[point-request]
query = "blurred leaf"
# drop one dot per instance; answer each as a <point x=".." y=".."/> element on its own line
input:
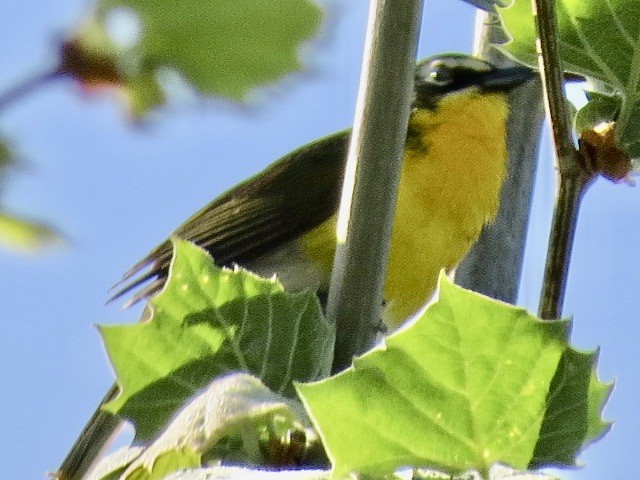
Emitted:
<point x="598" y="39"/>
<point x="224" y="47"/>
<point x="16" y="232"/>
<point x="91" y="58"/>
<point x="98" y="64"/>
<point x="8" y="162"/>
<point x="209" y="321"/>
<point x="6" y="158"/>
<point x="19" y="233"/>
<point x="462" y="388"/>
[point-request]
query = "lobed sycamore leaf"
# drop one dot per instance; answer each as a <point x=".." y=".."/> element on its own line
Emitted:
<point x="598" y="39"/>
<point x="462" y="388"/>
<point x="206" y="322"/>
<point x="224" y="48"/>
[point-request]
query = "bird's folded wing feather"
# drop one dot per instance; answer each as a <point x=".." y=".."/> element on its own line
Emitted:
<point x="293" y="195"/>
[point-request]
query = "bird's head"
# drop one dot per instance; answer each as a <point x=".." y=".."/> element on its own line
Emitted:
<point x="441" y="75"/>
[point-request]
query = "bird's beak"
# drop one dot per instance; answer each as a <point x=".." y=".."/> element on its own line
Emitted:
<point x="504" y="79"/>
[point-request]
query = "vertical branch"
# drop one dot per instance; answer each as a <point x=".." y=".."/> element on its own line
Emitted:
<point x="575" y="176"/>
<point x="565" y="218"/>
<point x="372" y="175"/>
<point x="494" y="265"/>
<point x="553" y="80"/>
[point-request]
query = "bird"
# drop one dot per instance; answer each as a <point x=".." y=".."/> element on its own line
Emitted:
<point x="282" y="221"/>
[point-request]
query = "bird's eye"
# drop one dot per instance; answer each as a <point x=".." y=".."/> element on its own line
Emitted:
<point x="440" y="74"/>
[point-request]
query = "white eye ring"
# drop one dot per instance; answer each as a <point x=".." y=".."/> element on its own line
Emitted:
<point x="440" y="74"/>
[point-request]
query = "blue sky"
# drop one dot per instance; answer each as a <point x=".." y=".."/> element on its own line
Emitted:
<point x="116" y="189"/>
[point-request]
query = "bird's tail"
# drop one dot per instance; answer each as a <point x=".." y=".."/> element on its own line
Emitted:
<point x="92" y="441"/>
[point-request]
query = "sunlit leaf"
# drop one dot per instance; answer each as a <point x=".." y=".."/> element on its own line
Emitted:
<point x="598" y="39"/>
<point x="207" y="322"/>
<point x="462" y="388"/>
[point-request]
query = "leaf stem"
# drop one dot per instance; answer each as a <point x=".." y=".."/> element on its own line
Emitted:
<point x="372" y="175"/>
<point x="27" y="86"/>
<point x="574" y="174"/>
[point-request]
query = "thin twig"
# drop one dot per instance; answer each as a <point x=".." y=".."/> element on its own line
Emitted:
<point x="574" y="175"/>
<point x="373" y="174"/>
<point x="27" y="87"/>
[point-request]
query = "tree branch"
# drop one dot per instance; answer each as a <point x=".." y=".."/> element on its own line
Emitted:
<point x="372" y="176"/>
<point x="27" y="86"/>
<point x="574" y="174"/>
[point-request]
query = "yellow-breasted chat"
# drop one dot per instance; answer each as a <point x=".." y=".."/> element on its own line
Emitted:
<point x="282" y="220"/>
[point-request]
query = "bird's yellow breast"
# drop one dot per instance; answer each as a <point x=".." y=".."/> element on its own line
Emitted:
<point x="454" y="166"/>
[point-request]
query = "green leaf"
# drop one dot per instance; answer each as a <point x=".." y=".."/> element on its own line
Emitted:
<point x="6" y="159"/>
<point x="234" y="403"/>
<point x="599" y="393"/>
<point x="19" y="233"/>
<point x="224" y="47"/>
<point x="463" y="387"/>
<point x="209" y="321"/>
<point x="575" y="403"/>
<point x="599" y="39"/>
<point x="600" y="108"/>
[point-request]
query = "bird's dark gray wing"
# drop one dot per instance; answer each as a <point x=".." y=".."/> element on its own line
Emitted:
<point x="293" y="195"/>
